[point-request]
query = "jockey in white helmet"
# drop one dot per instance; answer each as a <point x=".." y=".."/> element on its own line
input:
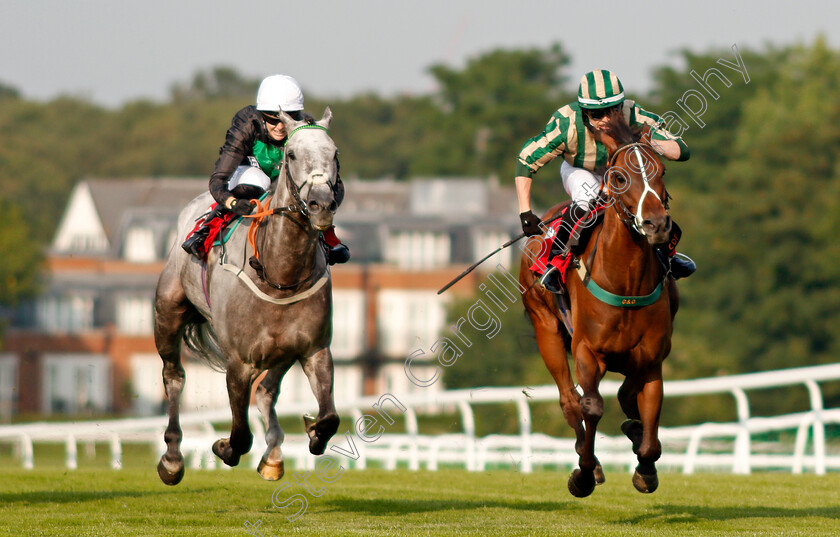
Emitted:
<point x="250" y="160"/>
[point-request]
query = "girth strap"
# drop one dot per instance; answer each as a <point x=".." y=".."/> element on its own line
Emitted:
<point x="282" y="301"/>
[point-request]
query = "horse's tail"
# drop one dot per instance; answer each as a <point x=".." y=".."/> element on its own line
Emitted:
<point x="201" y="340"/>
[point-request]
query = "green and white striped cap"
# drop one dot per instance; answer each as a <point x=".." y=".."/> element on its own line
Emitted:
<point x="600" y="89"/>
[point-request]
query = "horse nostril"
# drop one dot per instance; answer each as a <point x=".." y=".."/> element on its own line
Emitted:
<point x="333" y="206"/>
<point x="314" y="207"/>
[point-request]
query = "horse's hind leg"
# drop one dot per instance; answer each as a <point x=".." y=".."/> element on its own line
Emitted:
<point x="271" y="465"/>
<point x="240" y="376"/>
<point x="172" y="311"/>
<point x="319" y="370"/>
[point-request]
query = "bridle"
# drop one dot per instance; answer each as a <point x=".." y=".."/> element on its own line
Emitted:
<point x="298" y="207"/>
<point x="632" y="221"/>
<point x="647" y="168"/>
<point x="316" y="177"/>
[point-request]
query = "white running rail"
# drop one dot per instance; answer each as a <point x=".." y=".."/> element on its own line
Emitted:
<point x="734" y="448"/>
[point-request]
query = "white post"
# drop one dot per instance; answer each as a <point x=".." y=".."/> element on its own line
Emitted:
<point x="71" y="461"/>
<point x="412" y="430"/>
<point x="819" y="426"/>
<point x="741" y="464"/>
<point x="469" y="430"/>
<point x="27" y="452"/>
<point x="116" y="452"/>
<point x="525" y="432"/>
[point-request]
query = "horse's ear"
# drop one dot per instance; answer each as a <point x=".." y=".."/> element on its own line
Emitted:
<point x="644" y="135"/>
<point x="325" y="119"/>
<point x="288" y="121"/>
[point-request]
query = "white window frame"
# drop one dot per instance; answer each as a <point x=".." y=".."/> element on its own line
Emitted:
<point x="83" y="381"/>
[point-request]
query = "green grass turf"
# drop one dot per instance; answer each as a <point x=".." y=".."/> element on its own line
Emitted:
<point x="94" y="501"/>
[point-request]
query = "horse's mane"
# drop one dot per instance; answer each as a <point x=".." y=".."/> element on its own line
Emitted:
<point x="619" y="130"/>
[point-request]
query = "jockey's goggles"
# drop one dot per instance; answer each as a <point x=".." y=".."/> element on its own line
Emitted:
<point x="272" y="119"/>
<point x="599" y="113"/>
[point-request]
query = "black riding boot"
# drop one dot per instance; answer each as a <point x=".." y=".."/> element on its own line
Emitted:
<point x="338" y="254"/>
<point x="565" y="241"/>
<point x="681" y="265"/>
<point x="194" y="245"/>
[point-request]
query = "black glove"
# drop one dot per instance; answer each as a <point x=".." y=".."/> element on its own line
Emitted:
<point x="530" y="223"/>
<point x="242" y="207"/>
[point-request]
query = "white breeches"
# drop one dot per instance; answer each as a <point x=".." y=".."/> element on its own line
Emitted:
<point x="581" y="185"/>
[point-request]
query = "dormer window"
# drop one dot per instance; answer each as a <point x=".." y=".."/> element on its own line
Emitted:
<point x="139" y="245"/>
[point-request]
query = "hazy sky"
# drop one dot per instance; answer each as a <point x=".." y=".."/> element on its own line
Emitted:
<point x="113" y="51"/>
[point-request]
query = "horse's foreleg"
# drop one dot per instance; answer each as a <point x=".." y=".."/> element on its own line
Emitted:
<point x="649" y="449"/>
<point x="271" y="464"/>
<point x="553" y="351"/>
<point x="589" y="374"/>
<point x="552" y="348"/>
<point x="240" y="376"/>
<point x="319" y="370"/>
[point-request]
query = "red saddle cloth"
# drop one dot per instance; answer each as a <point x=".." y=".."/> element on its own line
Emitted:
<point x="546" y="258"/>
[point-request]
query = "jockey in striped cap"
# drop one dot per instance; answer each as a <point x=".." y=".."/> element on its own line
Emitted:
<point x="569" y="134"/>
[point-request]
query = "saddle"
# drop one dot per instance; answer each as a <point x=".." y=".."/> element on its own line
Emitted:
<point x="215" y="221"/>
<point x="559" y="254"/>
<point x="212" y="222"/>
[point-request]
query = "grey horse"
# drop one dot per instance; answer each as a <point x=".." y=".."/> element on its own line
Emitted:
<point x="265" y="315"/>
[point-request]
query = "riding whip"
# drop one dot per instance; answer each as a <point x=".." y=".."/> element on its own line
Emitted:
<point x="491" y="254"/>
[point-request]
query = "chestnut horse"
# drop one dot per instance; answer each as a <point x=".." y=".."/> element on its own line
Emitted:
<point x="626" y="325"/>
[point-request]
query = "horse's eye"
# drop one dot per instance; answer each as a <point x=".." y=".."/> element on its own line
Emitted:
<point x="291" y="154"/>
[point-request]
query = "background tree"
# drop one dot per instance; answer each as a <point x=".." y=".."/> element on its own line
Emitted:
<point x="220" y="82"/>
<point x="757" y="201"/>
<point x="499" y="100"/>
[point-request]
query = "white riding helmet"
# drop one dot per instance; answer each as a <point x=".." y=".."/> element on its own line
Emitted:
<point x="249" y="175"/>
<point x="279" y="92"/>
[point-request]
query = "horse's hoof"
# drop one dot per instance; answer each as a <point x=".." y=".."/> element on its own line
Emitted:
<point x="581" y="484"/>
<point x="600" y="478"/>
<point x="171" y="477"/>
<point x="320" y="431"/>
<point x="270" y="470"/>
<point x="224" y="451"/>
<point x="645" y="483"/>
